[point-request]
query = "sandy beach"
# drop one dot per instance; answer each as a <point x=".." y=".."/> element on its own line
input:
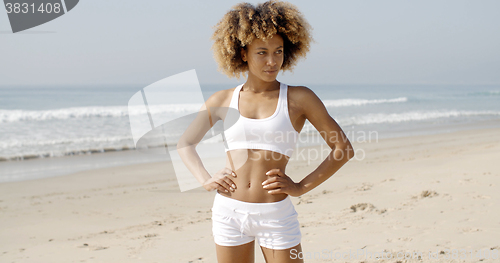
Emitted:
<point x="435" y="197"/>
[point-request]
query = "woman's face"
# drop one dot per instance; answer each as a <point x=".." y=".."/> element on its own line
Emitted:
<point x="264" y="58"/>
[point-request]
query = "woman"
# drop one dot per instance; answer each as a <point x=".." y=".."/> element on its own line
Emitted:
<point x="252" y="199"/>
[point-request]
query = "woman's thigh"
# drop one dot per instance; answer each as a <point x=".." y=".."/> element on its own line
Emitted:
<point x="229" y="254"/>
<point x="282" y="255"/>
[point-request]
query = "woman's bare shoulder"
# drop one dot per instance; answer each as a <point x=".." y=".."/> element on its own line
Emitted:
<point x="308" y="103"/>
<point x="302" y="94"/>
<point x="221" y="98"/>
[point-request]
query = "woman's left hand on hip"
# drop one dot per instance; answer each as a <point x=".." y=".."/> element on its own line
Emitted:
<point x="280" y="183"/>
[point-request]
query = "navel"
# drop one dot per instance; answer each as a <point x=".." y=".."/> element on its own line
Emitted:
<point x="249" y="183"/>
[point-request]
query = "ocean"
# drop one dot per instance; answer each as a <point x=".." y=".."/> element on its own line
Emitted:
<point x="44" y="125"/>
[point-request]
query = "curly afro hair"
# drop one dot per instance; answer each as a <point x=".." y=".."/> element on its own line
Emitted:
<point x="245" y="22"/>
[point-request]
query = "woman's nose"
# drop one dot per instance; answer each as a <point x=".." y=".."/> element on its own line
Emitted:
<point x="271" y="61"/>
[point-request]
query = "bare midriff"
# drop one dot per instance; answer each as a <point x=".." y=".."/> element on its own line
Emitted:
<point x="251" y="167"/>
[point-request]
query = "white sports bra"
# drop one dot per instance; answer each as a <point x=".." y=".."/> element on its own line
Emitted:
<point x="274" y="133"/>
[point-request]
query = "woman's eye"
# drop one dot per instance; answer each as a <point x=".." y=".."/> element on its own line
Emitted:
<point x="279" y="51"/>
<point x="261" y="53"/>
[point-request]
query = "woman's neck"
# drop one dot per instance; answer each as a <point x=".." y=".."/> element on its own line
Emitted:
<point x="257" y="85"/>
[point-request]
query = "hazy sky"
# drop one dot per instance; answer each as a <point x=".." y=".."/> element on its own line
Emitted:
<point x="357" y="42"/>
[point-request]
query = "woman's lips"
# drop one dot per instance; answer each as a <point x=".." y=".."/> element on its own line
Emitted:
<point x="271" y="71"/>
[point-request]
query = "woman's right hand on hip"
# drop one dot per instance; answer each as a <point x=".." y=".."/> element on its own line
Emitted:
<point x="221" y="181"/>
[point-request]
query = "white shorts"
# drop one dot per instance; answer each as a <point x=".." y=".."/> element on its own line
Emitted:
<point x="274" y="225"/>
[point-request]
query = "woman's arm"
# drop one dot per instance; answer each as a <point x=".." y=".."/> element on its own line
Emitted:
<point x="314" y="110"/>
<point x="186" y="147"/>
<point x="342" y="150"/>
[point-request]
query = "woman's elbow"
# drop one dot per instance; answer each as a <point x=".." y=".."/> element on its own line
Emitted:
<point x="179" y="147"/>
<point x="349" y="150"/>
<point x="344" y="151"/>
<point x="182" y="144"/>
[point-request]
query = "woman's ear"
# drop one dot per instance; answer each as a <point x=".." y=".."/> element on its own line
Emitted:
<point x="243" y="55"/>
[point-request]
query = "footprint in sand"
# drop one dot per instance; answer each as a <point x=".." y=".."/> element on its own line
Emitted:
<point x="388" y="180"/>
<point x="150" y="235"/>
<point x="362" y="207"/>
<point x="303" y="201"/>
<point x="425" y="194"/>
<point x="98" y="248"/>
<point x="364" y="187"/>
<point x="469" y="230"/>
<point x="366" y="207"/>
<point x="92" y="248"/>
